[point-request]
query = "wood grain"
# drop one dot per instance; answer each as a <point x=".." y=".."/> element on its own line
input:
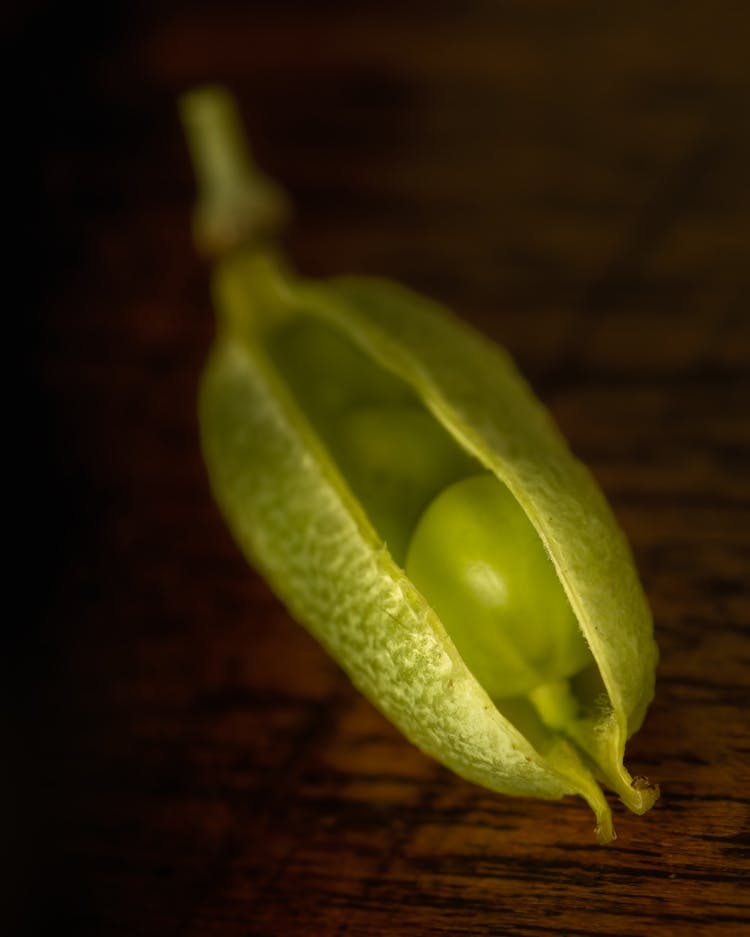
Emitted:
<point x="574" y="180"/>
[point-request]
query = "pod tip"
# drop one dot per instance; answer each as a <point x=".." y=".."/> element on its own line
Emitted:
<point x="605" y="831"/>
<point x="644" y="796"/>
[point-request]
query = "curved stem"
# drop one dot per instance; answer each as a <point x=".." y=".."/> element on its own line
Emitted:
<point x="236" y="203"/>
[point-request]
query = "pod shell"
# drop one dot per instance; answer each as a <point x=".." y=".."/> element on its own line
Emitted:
<point x="299" y="524"/>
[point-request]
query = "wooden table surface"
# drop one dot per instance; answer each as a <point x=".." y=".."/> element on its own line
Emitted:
<point x="571" y="178"/>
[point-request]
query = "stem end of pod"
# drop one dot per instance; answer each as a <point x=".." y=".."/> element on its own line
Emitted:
<point x="237" y="204"/>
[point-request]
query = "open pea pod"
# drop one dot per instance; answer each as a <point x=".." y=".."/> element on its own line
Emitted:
<point x="397" y="483"/>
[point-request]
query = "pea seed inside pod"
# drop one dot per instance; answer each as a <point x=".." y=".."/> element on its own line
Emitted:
<point x="392" y="452"/>
<point x="481" y="565"/>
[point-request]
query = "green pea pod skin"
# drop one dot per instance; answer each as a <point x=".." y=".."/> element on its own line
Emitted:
<point x="299" y="523"/>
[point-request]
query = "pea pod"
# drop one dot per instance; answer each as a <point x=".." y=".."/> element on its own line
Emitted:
<point x="393" y="477"/>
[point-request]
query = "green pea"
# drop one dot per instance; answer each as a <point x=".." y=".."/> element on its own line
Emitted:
<point x="406" y="496"/>
<point x="396" y="458"/>
<point x="477" y="559"/>
<point x="392" y="452"/>
<point x="328" y="373"/>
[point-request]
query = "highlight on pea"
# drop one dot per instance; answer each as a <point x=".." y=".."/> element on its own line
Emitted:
<point x="393" y="477"/>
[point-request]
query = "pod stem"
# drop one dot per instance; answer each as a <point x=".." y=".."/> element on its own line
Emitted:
<point x="555" y="703"/>
<point x="237" y="205"/>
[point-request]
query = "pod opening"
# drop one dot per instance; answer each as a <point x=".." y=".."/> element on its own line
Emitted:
<point x="458" y="532"/>
<point x="394" y="455"/>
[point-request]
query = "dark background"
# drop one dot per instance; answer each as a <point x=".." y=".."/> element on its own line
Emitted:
<point x="573" y="179"/>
